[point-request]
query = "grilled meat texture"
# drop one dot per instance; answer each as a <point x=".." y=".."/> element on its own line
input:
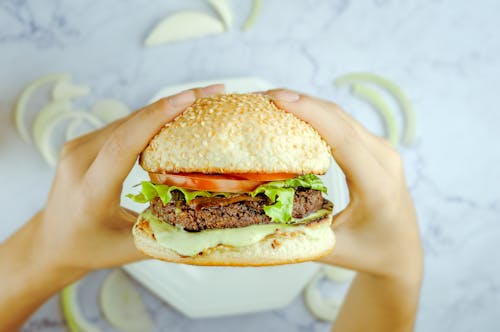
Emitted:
<point x="238" y="210"/>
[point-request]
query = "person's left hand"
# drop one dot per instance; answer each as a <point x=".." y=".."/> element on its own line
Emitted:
<point x="83" y="226"/>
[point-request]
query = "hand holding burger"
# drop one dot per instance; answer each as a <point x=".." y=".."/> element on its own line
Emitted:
<point x="83" y="228"/>
<point x="377" y="234"/>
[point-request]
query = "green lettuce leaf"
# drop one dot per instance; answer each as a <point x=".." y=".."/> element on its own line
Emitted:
<point x="150" y="191"/>
<point x="281" y="210"/>
<point x="308" y="181"/>
<point x="280" y="194"/>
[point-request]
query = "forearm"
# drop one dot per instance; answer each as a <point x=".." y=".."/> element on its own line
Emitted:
<point x="28" y="276"/>
<point x="380" y="304"/>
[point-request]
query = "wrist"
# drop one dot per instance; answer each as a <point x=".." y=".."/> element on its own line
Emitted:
<point x="399" y="296"/>
<point x="29" y="275"/>
<point x="405" y="265"/>
<point x="45" y="257"/>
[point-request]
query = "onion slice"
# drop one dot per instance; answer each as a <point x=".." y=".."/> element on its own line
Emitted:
<point x="66" y="90"/>
<point x="46" y="149"/>
<point x="254" y="13"/>
<point x="25" y="96"/>
<point x="373" y="97"/>
<point x="48" y="118"/>
<point x="401" y="98"/>
<point x="184" y="25"/>
<point x="43" y="120"/>
<point x="338" y="274"/>
<point x="75" y="320"/>
<point x="71" y="130"/>
<point x="122" y="305"/>
<point x="109" y="110"/>
<point x="321" y="308"/>
<point x="222" y="8"/>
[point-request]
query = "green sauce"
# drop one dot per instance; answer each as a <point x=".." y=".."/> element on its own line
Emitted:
<point x="191" y="243"/>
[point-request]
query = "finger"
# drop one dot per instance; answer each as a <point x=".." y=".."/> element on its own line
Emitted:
<point x="100" y="134"/>
<point x="87" y="146"/>
<point x="130" y="216"/>
<point x="378" y="146"/>
<point x="348" y="146"/>
<point x="92" y="142"/>
<point x="123" y="248"/>
<point x="362" y="131"/>
<point x="209" y="90"/>
<point x="122" y="228"/>
<point x="119" y="153"/>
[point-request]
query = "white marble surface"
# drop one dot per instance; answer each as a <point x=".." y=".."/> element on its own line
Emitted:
<point x="444" y="54"/>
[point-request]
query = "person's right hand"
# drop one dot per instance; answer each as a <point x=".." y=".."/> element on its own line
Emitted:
<point x="377" y="233"/>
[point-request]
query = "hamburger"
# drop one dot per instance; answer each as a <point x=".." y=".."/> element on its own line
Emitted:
<point x="234" y="181"/>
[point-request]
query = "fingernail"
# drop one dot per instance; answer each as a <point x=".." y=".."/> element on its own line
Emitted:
<point x="214" y="88"/>
<point x="183" y="98"/>
<point x="284" y="95"/>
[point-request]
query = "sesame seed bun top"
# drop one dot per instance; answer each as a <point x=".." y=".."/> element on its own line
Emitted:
<point x="236" y="133"/>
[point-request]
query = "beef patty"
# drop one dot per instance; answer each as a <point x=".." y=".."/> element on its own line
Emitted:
<point x="230" y="212"/>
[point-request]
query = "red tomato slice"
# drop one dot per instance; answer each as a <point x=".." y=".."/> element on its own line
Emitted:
<point x="208" y="182"/>
<point x="265" y="176"/>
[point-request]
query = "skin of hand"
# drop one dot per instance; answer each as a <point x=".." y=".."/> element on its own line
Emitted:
<point x="82" y="226"/>
<point x="377" y="234"/>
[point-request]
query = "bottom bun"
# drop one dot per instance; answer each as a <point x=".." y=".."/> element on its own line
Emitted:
<point x="289" y="247"/>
